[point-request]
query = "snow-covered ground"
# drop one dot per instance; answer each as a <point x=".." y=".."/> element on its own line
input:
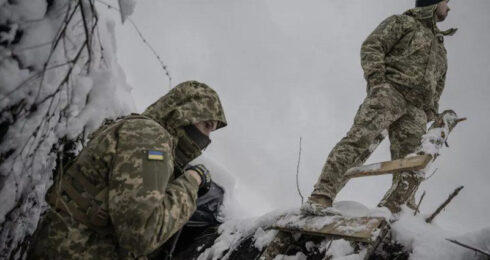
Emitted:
<point x="422" y="240"/>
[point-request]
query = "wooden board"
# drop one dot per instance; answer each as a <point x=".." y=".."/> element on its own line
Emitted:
<point x="361" y="229"/>
<point x="414" y="163"/>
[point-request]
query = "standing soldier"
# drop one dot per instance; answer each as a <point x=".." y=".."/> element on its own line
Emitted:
<point x="128" y="192"/>
<point x="405" y="64"/>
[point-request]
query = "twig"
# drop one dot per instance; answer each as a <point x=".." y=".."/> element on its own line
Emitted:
<point x="432" y="174"/>
<point x="88" y="36"/>
<point x="443" y="205"/>
<point x="297" y="172"/>
<point x="469" y="247"/>
<point x="420" y="202"/>
<point x="327" y="257"/>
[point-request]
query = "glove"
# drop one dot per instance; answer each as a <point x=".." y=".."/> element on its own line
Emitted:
<point x="205" y="177"/>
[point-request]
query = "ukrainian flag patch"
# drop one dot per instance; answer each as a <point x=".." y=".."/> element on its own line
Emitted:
<point x="155" y="155"/>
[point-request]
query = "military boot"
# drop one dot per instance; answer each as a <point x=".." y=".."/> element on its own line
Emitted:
<point x="318" y="205"/>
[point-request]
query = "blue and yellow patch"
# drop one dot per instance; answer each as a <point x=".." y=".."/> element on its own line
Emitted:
<point x="155" y="155"/>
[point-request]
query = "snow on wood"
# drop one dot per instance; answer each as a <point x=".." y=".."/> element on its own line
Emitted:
<point x="413" y="163"/>
<point x="349" y="228"/>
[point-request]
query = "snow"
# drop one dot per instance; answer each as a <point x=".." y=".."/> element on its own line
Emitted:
<point x="40" y="110"/>
<point x="338" y="249"/>
<point x="479" y="239"/>
<point x="298" y="256"/>
<point x="43" y="31"/>
<point x="294" y="220"/>
<point x="28" y="9"/>
<point x="126" y="8"/>
<point x="369" y="167"/>
<point x="428" y="241"/>
<point x="423" y="240"/>
<point x="263" y="238"/>
<point x="235" y="231"/>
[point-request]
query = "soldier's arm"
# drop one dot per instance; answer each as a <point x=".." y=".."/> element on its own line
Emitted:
<point x="439" y="88"/>
<point x="146" y="209"/>
<point x="378" y="44"/>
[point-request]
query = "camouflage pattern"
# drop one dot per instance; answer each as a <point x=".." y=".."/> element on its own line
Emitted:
<point x="408" y="50"/>
<point x="405" y="64"/>
<point x="383" y="108"/>
<point x="147" y="202"/>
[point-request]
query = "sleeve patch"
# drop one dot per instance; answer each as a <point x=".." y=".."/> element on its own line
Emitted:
<point x="155" y="155"/>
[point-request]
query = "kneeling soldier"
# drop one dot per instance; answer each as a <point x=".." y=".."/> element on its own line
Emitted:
<point x="128" y="191"/>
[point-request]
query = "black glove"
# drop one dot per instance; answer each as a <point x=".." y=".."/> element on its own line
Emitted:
<point x="205" y="177"/>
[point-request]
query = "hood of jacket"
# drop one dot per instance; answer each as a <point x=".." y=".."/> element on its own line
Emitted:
<point x="427" y="15"/>
<point x="186" y="104"/>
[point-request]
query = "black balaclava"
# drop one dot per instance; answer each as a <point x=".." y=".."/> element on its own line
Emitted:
<point x="422" y="3"/>
<point x="190" y="145"/>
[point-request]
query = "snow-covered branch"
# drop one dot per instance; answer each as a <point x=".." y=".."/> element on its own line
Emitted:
<point x="59" y="80"/>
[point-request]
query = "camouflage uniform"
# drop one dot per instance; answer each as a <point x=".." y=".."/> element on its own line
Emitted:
<point x="405" y="65"/>
<point x="115" y="200"/>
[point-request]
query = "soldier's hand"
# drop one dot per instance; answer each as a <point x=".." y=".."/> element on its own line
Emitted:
<point x="204" y="174"/>
<point x="195" y="175"/>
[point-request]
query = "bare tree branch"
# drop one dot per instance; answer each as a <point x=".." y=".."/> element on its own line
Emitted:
<point x="418" y="205"/>
<point x="469" y="247"/>
<point x="443" y="205"/>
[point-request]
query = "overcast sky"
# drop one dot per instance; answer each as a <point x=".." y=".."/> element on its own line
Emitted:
<point x="289" y="69"/>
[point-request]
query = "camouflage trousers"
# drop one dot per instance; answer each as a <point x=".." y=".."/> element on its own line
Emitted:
<point x="383" y="108"/>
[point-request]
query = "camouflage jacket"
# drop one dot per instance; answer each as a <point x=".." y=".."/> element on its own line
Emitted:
<point x="408" y="50"/>
<point x="127" y="168"/>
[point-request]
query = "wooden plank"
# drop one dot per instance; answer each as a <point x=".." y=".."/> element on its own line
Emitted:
<point x="414" y="163"/>
<point x="359" y="229"/>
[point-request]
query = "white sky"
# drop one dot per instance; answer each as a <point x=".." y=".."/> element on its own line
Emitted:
<point x="286" y="69"/>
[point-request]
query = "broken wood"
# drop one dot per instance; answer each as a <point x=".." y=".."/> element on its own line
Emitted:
<point x="469" y="247"/>
<point x="358" y="229"/>
<point x="443" y="205"/>
<point x="414" y="163"/>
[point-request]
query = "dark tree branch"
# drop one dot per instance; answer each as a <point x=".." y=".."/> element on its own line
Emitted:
<point x="443" y="205"/>
<point x="418" y="205"/>
<point x="469" y="247"/>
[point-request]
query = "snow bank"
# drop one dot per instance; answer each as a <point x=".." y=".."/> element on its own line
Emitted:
<point x="232" y="208"/>
<point x="56" y="83"/>
<point x="233" y="232"/>
<point x="428" y="241"/>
